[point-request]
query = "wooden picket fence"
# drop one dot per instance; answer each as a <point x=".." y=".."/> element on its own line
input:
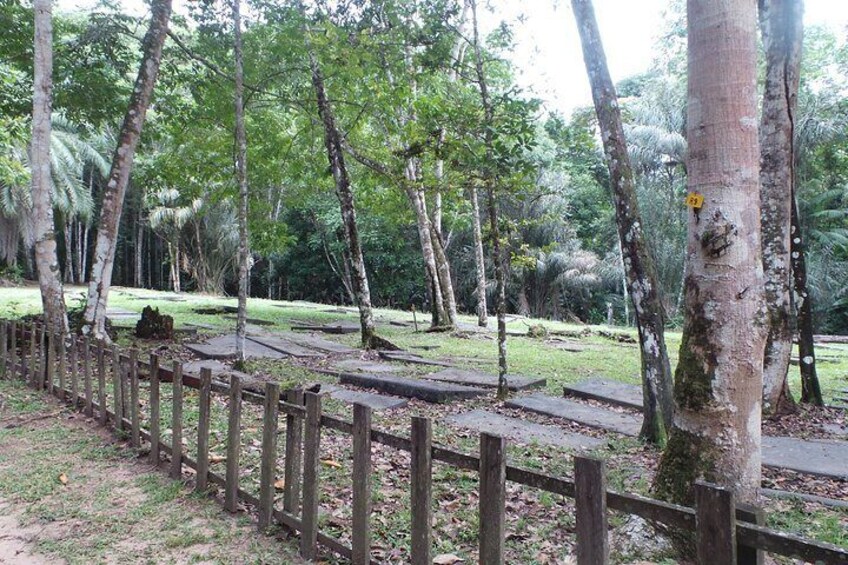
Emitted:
<point x="75" y="370"/>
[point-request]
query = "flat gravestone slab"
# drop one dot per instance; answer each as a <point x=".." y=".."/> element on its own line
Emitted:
<point x="315" y="342"/>
<point x="411" y="388"/>
<point x="256" y="321"/>
<point x="370" y="399"/>
<point x="592" y="416"/>
<point x="224" y="347"/>
<point x="284" y="346"/>
<point x="611" y="392"/>
<point x="476" y="378"/>
<point x="121" y="314"/>
<point x="331" y="328"/>
<point x="406" y="357"/>
<point x="522" y="431"/>
<point x="194" y="367"/>
<point x="823" y="457"/>
<point x="365" y="366"/>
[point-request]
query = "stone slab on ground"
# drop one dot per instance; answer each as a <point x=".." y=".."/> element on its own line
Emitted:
<point x="586" y="414"/>
<point x="604" y="390"/>
<point x="428" y="391"/>
<point x="406" y="357"/>
<point x="194" y="367"/>
<point x="256" y="321"/>
<point x="823" y="457"/>
<point x="477" y="378"/>
<point x="121" y="314"/>
<point x="364" y="366"/>
<point x="330" y="328"/>
<point x="224" y="347"/>
<point x="315" y="342"/>
<point x="523" y="431"/>
<point x="285" y="346"/>
<point x="372" y="400"/>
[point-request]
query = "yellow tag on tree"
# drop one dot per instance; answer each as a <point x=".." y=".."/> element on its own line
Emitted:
<point x="694" y="200"/>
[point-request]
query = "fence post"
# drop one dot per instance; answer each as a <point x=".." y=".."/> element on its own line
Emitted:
<point x="590" y="497"/>
<point x="4" y="334"/>
<point x="177" y="423"/>
<point x="14" y="348"/>
<point x="311" y="452"/>
<point x="715" y="522"/>
<point x="74" y="373"/>
<point x="422" y="489"/>
<point x="101" y="381"/>
<point x="41" y="381"/>
<point x="492" y="498"/>
<point x="294" y="452"/>
<point x="361" y="540"/>
<point x="49" y="372"/>
<point x="33" y="340"/>
<point x="269" y="455"/>
<point x="86" y="368"/>
<point x="753" y="514"/>
<point x="117" y="389"/>
<point x="205" y="398"/>
<point x="63" y="365"/>
<point x="135" y="424"/>
<point x="233" y="446"/>
<point x="154" y="409"/>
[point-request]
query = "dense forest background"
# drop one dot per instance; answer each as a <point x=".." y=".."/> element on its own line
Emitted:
<point x="403" y="88"/>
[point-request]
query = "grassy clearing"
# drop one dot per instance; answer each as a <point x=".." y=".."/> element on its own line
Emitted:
<point x="540" y="526"/>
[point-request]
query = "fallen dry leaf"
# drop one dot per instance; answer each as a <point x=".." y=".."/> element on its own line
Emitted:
<point x="280" y="484"/>
<point x="63" y="478"/>
<point x="331" y="463"/>
<point x="447" y="559"/>
<point x="217" y="458"/>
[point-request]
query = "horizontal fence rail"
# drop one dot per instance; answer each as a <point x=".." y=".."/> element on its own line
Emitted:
<point x="723" y="531"/>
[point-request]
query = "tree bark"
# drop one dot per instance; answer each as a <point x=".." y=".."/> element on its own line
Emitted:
<point x="810" y="387"/>
<point x="782" y="31"/>
<point x="490" y="181"/>
<point x="139" y="248"/>
<point x="241" y="175"/>
<point x="344" y="192"/>
<point x="119" y="174"/>
<point x="638" y="264"/>
<point x="44" y="234"/>
<point x="479" y="260"/>
<point x="718" y="384"/>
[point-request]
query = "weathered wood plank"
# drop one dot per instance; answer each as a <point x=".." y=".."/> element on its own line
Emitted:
<point x="101" y="382"/>
<point x="4" y="343"/>
<point x="14" y="348"/>
<point x="75" y="396"/>
<point x="63" y="366"/>
<point x="176" y="470"/>
<point x="203" y="421"/>
<point x="33" y="360"/>
<point x="86" y="368"/>
<point x="715" y="520"/>
<point x="361" y="538"/>
<point x="745" y="554"/>
<point x="421" y="475"/>
<point x="492" y="498"/>
<point x="117" y="388"/>
<point x="294" y="454"/>
<point x="155" y="446"/>
<point x="47" y="368"/>
<point x="269" y="454"/>
<point x="135" y="419"/>
<point x="311" y="451"/>
<point x="233" y="445"/>
<point x="590" y="489"/>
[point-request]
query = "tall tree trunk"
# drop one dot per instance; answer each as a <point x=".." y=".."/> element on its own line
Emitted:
<point x="444" y="273"/>
<point x="241" y="175"/>
<point x="344" y="192"/>
<point x="638" y="264"/>
<point x="718" y="383"/>
<point x="69" y="262"/>
<point x="490" y="180"/>
<point x="810" y="387"/>
<point x="782" y="31"/>
<point x="116" y="187"/>
<point x="419" y="208"/>
<point x="44" y="234"/>
<point x="479" y="260"/>
<point x="139" y="249"/>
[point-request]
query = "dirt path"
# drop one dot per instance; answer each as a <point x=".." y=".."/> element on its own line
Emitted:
<point x="70" y="493"/>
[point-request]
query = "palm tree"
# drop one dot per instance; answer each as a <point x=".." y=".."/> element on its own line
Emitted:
<point x="168" y="217"/>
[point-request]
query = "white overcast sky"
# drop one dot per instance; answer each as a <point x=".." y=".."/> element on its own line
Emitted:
<point x="547" y="55"/>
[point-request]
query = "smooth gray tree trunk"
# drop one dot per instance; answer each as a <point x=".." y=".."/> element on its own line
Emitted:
<point x="241" y="175"/>
<point x="638" y="263"/>
<point x="43" y="230"/>
<point x="119" y="174"/>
